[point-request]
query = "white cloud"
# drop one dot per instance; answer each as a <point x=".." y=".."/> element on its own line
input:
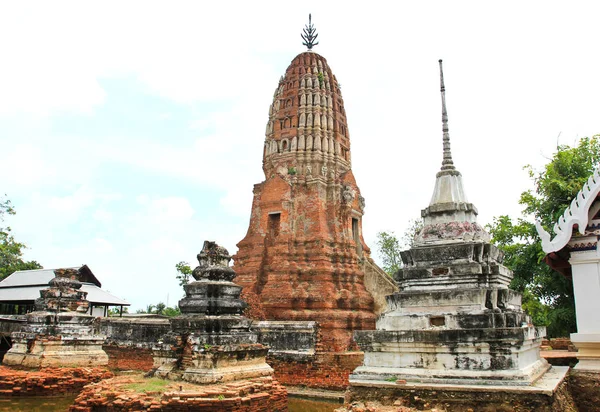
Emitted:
<point x="27" y="165"/>
<point x="170" y="209"/>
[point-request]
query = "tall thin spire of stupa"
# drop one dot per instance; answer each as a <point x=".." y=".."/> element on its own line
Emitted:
<point x="448" y="189"/>
<point x="449" y="205"/>
<point x="447" y="163"/>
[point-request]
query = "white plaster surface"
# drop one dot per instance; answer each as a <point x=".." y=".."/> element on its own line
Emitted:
<point x="586" y="286"/>
<point x="546" y="385"/>
<point x="448" y="189"/>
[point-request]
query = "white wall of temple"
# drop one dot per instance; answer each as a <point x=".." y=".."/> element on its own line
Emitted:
<point x="585" y="267"/>
<point x="586" y="285"/>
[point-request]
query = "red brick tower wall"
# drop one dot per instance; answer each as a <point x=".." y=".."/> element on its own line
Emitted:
<point x="301" y="253"/>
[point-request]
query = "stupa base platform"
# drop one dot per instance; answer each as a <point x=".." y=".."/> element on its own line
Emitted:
<point x="503" y="356"/>
<point x="57" y="352"/>
<point x="519" y="377"/>
<point x="549" y="393"/>
<point x="215" y="364"/>
<point x="209" y="376"/>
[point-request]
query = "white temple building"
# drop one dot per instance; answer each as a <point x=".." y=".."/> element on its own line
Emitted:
<point x="573" y="251"/>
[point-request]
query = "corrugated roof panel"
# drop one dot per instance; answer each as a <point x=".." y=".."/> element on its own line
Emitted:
<point x="95" y="294"/>
<point x="28" y="278"/>
<point x="20" y="293"/>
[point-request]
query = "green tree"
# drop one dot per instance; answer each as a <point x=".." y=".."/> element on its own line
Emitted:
<point x="172" y="311"/>
<point x="388" y="246"/>
<point x="160" y="308"/>
<point x="11" y="251"/>
<point x="184" y="271"/>
<point x="547" y="295"/>
<point x="115" y="311"/>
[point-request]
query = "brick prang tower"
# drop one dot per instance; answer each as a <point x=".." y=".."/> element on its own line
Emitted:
<point x="303" y="254"/>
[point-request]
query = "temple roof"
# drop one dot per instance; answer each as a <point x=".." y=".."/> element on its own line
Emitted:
<point x="25" y="285"/>
<point x="575" y="217"/>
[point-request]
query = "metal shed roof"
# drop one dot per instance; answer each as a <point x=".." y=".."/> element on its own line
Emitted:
<point x="30" y="293"/>
<point x="25" y="285"/>
<point x="43" y="276"/>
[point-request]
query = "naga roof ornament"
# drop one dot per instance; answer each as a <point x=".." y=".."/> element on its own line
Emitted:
<point x="309" y="34"/>
<point x="576" y="214"/>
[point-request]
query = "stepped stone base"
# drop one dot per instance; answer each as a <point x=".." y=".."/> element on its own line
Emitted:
<point x="215" y="364"/>
<point x="44" y="352"/>
<point x="502" y="356"/>
<point x="548" y="394"/>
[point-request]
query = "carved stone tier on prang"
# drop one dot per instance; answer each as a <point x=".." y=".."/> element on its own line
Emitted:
<point x="211" y="341"/>
<point x="307" y="132"/>
<point x="304" y="255"/>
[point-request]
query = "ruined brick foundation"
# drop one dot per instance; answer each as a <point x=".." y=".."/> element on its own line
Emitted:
<point x="256" y="395"/>
<point x="328" y="370"/>
<point x="126" y="358"/>
<point x="48" y="381"/>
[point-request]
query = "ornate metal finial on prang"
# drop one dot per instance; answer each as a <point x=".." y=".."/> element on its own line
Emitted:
<point x="447" y="163"/>
<point x="309" y="35"/>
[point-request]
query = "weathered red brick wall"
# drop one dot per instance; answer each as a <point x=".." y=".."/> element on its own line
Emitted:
<point x="128" y="358"/>
<point x="324" y="371"/>
<point x="255" y="395"/>
<point x="48" y="381"/>
<point x="302" y="252"/>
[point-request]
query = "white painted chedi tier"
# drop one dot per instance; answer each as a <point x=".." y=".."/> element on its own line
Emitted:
<point x="454" y="321"/>
<point x="449" y="216"/>
<point x="574" y="250"/>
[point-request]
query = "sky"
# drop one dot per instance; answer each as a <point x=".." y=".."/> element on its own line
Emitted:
<point x="130" y="132"/>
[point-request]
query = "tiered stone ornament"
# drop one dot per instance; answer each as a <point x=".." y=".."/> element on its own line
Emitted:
<point x="304" y="254"/>
<point x="455" y="321"/>
<point x="59" y="332"/>
<point x="211" y="342"/>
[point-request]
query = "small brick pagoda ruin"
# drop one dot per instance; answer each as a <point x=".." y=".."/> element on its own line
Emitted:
<point x="304" y="255"/>
<point x="455" y="320"/>
<point x="58" y="332"/>
<point x="211" y="341"/>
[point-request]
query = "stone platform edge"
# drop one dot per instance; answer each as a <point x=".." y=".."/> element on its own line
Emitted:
<point x="546" y="385"/>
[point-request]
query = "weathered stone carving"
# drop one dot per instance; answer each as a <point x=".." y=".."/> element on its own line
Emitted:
<point x="59" y="332"/>
<point x="301" y="254"/>
<point x="454" y="320"/>
<point x="211" y="341"/>
<point x="348" y="194"/>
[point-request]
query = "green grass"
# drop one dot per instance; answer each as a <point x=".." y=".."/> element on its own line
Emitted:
<point x="149" y="385"/>
<point x="391" y="379"/>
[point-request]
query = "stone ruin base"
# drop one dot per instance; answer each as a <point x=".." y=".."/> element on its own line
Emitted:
<point x="253" y="395"/>
<point x="48" y="381"/>
<point x="213" y="364"/>
<point x="549" y="394"/>
<point x="55" y="351"/>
